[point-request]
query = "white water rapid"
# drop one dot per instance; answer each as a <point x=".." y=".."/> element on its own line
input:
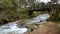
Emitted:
<point x="11" y="28"/>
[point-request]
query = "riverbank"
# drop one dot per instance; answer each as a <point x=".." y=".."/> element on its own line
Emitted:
<point x="47" y="28"/>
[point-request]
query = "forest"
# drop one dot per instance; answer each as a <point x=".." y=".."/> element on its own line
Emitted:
<point x="26" y="10"/>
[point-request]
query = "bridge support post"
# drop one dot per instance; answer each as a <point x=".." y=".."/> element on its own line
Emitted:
<point x="30" y="13"/>
<point x="54" y="13"/>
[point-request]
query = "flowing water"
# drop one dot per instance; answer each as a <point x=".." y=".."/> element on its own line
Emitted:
<point x="41" y="18"/>
<point x="12" y="28"/>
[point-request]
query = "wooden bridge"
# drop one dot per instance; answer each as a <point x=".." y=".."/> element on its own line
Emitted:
<point x="44" y="9"/>
<point x="48" y="9"/>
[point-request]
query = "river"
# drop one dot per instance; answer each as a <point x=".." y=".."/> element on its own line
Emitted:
<point x="12" y="28"/>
